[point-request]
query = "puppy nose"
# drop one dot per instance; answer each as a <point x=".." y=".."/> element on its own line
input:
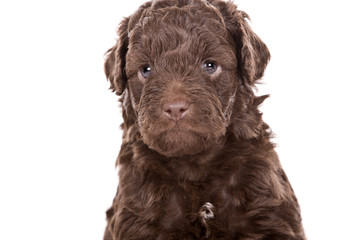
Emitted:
<point x="176" y="110"/>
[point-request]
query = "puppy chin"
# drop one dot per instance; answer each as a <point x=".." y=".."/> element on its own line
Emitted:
<point x="178" y="143"/>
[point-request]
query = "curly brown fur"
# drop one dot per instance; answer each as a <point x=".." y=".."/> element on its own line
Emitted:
<point x="213" y="173"/>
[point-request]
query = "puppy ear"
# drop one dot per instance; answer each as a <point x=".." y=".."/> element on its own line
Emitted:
<point x="252" y="58"/>
<point x="115" y="57"/>
<point x="252" y="53"/>
<point x="115" y="60"/>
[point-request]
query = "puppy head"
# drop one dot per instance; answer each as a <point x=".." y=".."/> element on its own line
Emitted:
<point x="187" y="69"/>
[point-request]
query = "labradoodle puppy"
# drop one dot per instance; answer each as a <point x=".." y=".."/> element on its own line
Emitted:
<point x="196" y="160"/>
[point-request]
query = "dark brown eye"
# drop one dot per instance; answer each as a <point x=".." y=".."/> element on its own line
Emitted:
<point x="145" y="71"/>
<point x="209" y="67"/>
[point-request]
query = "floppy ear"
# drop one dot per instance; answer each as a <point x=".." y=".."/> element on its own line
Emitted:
<point x="252" y="53"/>
<point x="115" y="57"/>
<point x="252" y="58"/>
<point x="115" y="60"/>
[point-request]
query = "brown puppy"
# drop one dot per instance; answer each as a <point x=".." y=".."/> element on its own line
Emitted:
<point x="196" y="158"/>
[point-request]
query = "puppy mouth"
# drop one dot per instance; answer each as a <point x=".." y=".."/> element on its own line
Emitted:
<point x="179" y="141"/>
<point x="186" y="136"/>
<point x="177" y="126"/>
<point x="181" y="128"/>
<point x="177" y="131"/>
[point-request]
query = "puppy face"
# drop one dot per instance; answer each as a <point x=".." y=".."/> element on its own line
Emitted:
<point x="183" y="66"/>
<point x="182" y="80"/>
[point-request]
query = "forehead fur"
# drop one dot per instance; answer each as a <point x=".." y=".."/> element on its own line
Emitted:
<point x="152" y="9"/>
<point x="179" y="19"/>
<point x="194" y="31"/>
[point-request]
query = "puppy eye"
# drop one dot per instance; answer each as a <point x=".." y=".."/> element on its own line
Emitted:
<point x="209" y="67"/>
<point x="145" y="71"/>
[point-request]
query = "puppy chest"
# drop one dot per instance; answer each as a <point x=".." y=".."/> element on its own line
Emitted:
<point x="195" y="206"/>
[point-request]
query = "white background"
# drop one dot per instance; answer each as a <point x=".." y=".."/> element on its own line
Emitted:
<point x="59" y="123"/>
